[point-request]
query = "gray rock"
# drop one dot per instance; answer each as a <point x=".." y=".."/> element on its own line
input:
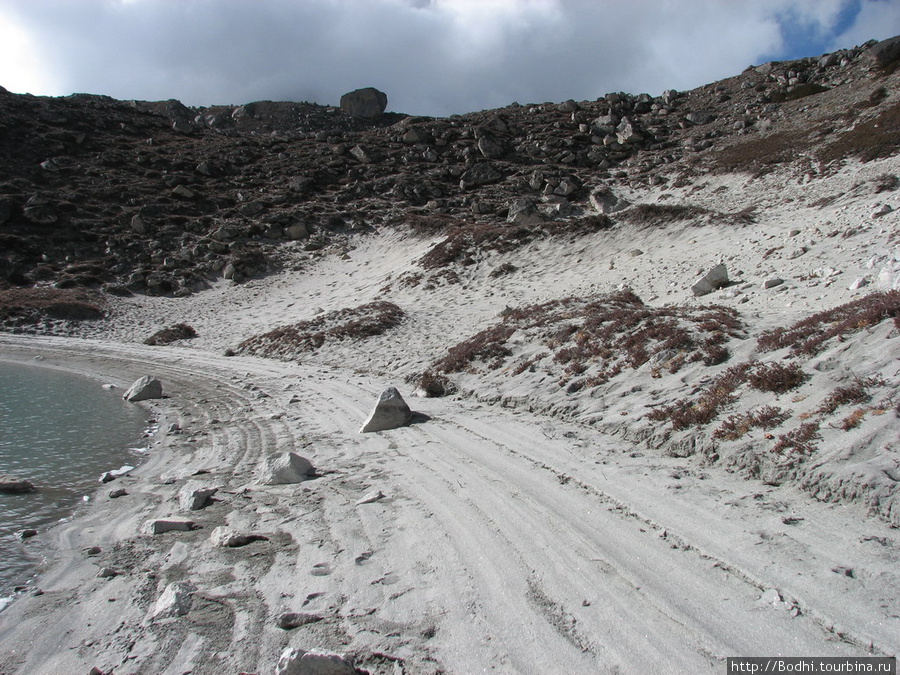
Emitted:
<point x="604" y="202"/>
<point x="773" y="282"/>
<point x="175" y="600"/>
<point x="365" y="155"/>
<point x="12" y="485"/>
<point x="109" y="476"/>
<point x="886" y="52"/>
<point x="291" y="620"/>
<point x="480" y="174"/>
<point x="226" y="537"/>
<point x="143" y="389"/>
<point x="370" y="497"/>
<point x="286" y="468"/>
<point x="162" y="526"/>
<point x="296" y="661"/>
<point x="523" y="211"/>
<point x="296" y="232"/>
<point x="626" y="133"/>
<point x="700" y="117"/>
<point x="194" y="496"/>
<point x="712" y="280"/>
<point x="368" y="102"/>
<point x="490" y="148"/>
<point x="390" y="412"/>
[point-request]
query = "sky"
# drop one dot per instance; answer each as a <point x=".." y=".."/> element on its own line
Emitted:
<point x="431" y="57"/>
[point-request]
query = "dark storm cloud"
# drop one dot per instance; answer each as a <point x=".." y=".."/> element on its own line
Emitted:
<point x="431" y="56"/>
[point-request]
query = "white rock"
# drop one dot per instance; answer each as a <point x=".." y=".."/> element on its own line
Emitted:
<point x="286" y="468"/>
<point x="390" y="412"/>
<point x="144" y="388"/>
<point x="161" y="526"/>
<point x="194" y="495"/>
<point x="295" y="661"/>
<point x="175" y="600"/>
<point x="370" y="497"/>
<point x="712" y="280"/>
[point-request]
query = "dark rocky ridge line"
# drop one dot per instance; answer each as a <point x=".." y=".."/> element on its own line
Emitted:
<point x="163" y="199"/>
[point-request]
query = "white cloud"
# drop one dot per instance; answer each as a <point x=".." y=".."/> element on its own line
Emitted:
<point x="430" y="56"/>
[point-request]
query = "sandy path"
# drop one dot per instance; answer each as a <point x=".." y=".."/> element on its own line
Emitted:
<point x="506" y="542"/>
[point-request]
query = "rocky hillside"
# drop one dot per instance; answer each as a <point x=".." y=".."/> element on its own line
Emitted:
<point x="162" y="199"/>
<point x="540" y="256"/>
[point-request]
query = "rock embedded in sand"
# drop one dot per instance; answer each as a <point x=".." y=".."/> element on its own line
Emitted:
<point x="162" y="526"/>
<point x="286" y="468"/>
<point x="716" y="278"/>
<point x="175" y="600"/>
<point x="295" y="661"/>
<point x="13" y="485"/>
<point x="143" y="389"/>
<point x="390" y="412"/>
<point x="291" y="620"/>
<point x="226" y="537"/>
<point x="195" y="495"/>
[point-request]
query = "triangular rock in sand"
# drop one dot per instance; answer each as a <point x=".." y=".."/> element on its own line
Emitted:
<point x="390" y="412"/>
<point x="143" y="389"/>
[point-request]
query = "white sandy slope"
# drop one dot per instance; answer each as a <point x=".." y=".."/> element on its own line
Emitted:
<point x="509" y="541"/>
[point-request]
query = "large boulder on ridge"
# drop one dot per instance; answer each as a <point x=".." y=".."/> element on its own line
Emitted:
<point x="368" y="102"/>
<point x="143" y="389"/>
<point x="390" y="412"/>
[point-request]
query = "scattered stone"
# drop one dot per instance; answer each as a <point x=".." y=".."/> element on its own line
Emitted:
<point x="28" y="533"/>
<point x="882" y="211"/>
<point x="143" y="389"/>
<point x="716" y="278"/>
<point x="108" y="573"/>
<point x="773" y="282"/>
<point x="291" y="620"/>
<point x="367" y="102"/>
<point x="605" y="202"/>
<point x="480" y="174"/>
<point x="700" y="117"/>
<point x="175" y="600"/>
<point x="490" y="148"/>
<point x="523" y="211"/>
<point x="110" y="476"/>
<point x="846" y="571"/>
<point x="370" y="497"/>
<point x="12" y="485"/>
<point x="296" y="661"/>
<point x="884" y="53"/>
<point x="285" y="469"/>
<point x="226" y="537"/>
<point x="194" y="496"/>
<point x="162" y="526"/>
<point x="390" y="412"/>
<point x="93" y="550"/>
<point x="859" y="282"/>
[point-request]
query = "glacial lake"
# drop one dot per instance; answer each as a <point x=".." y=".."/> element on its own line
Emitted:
<point x="62" y="432"/>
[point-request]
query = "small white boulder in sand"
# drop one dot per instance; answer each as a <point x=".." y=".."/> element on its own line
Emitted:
<point x="175" y="600"/>
<point x="194" y="495"/>
<point x="295" y="661"/>
<point x="390" y="412"/>
<point x="286" y="468"/>
<point x="716" y="278"/>
<point x="143" y="389"/>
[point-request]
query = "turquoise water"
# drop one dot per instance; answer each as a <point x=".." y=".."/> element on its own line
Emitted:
<point x="61" y="432"/>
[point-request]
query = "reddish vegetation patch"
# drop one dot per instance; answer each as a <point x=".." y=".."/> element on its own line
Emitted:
<point x="598" y="338"/>
<point x="24" y="306"/>
<point x="810" y="335"/>
<point x="463" y="242"/>
<point x="360" y="322"/>
<point x="180" y="331"/>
